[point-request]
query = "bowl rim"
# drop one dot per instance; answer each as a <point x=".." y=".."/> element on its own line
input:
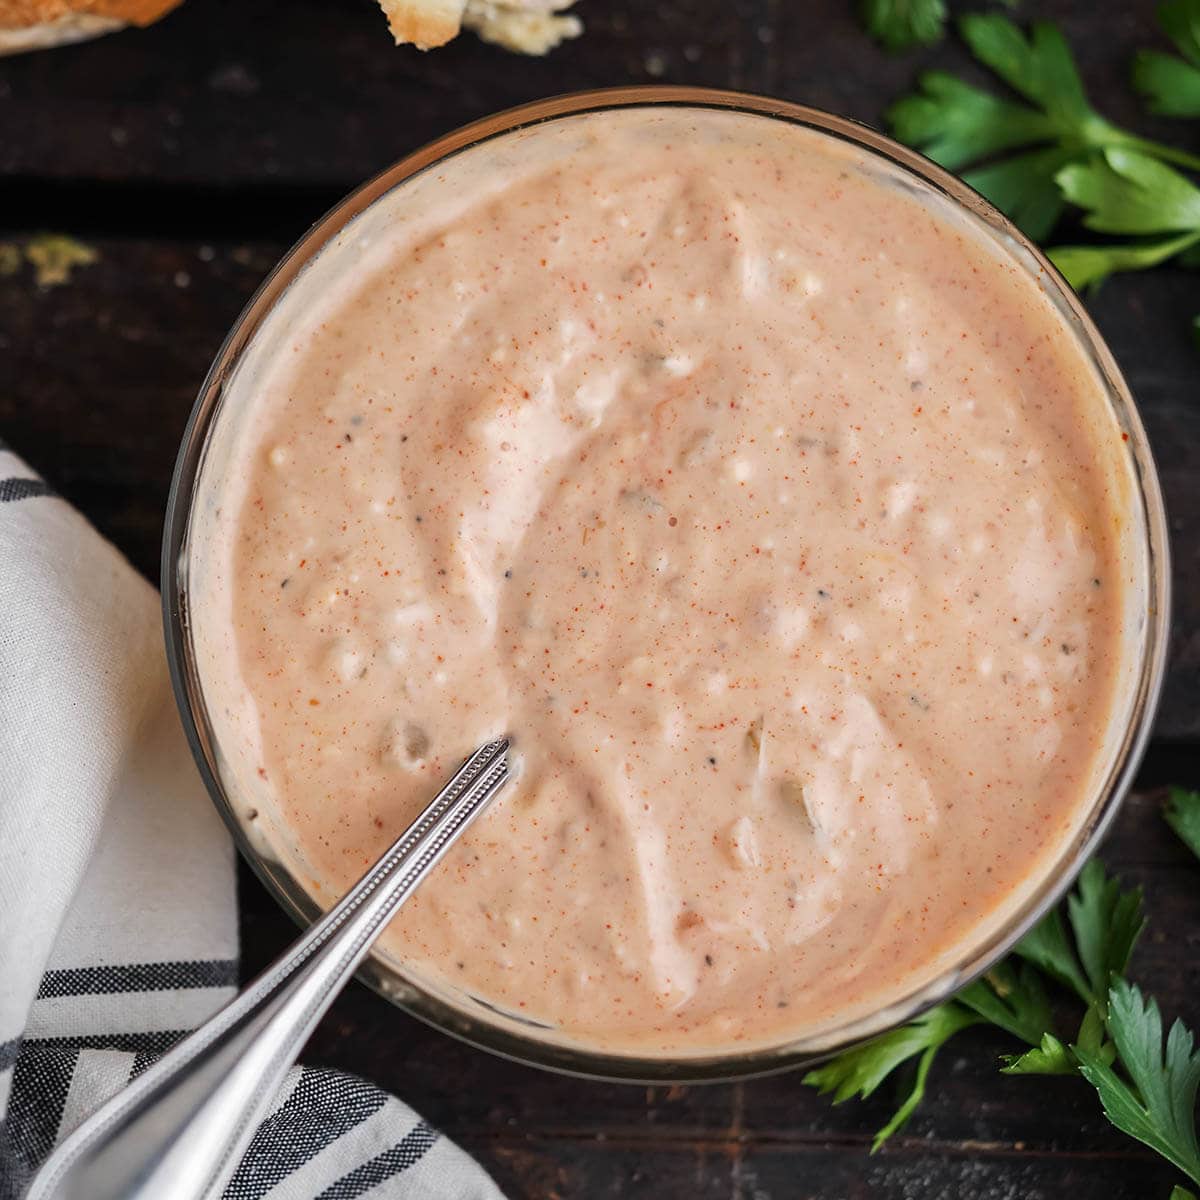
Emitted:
<point x="576" y="1059"/>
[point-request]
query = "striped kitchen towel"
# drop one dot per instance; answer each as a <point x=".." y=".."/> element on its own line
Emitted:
<point x="118" y="924"/>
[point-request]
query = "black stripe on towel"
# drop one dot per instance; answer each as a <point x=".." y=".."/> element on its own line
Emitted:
<point x="406" y="1153"/>
<point x="8" y="1180"/>
<point x="23" y="489"/>
<point x="158" y="1042"/>
<point x="139" y="977"/>
<point x="9" y="1052"/>
<point x="41" y="1080"/>
<point x="323" y="1106"/>
<point x="141" y="1060"/>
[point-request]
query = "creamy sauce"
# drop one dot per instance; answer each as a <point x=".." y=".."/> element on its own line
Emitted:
<point x="760" y="499"/>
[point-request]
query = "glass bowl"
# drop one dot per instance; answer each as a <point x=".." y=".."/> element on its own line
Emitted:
<point x="473" y="1018"/>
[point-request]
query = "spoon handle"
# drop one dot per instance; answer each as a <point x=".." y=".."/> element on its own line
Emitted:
<point x="181" y="1127"/>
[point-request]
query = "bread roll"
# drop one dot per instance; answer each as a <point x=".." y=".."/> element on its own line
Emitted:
<point x="36" y="24"/>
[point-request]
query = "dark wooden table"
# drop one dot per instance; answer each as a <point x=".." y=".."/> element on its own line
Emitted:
<point x="190" y="155"/>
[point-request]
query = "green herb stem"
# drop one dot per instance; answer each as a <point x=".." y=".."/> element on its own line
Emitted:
<point x="1171" y="154"/>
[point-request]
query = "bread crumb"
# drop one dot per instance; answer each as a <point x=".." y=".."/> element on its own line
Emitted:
<point x="54" y="256"/>
<point x="423" y="23"/>
<point x="524" y="29"/>
<point x="523" y="26"/>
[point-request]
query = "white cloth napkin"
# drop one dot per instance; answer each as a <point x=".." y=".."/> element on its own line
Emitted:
<point x="118" y="922"/>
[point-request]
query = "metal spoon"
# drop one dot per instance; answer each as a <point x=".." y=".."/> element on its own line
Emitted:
<point x="181" y="1127"/>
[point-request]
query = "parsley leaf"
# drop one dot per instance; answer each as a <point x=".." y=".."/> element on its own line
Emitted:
<point x="963" y="126"/>
<point x="860" y="1070"/>
<point x="1046" y="946"/>
<point x="1012" y="998"/>
<point x="1039" y="66"/>
<point x="1107" y="923"/>
<point x="1183" y="808"/>
<point x="1124" y="191"/>
<point x="955" y="122"/>
<point x="1049" y="1058"/>
<point x="1172" y="84"/>
<point x="1157" y="1104"/>
<point x="902" y="24"/>
<point x="1181" y="1193"/>
<point x="1052" y="1057"/>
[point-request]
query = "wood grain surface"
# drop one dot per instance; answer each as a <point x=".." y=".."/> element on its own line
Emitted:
<point x="190" y="155"/>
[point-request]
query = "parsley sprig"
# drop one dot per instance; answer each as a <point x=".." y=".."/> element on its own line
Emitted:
<point x="1034" y="155"/>
<point x="976" y="132"/>
<point x="1147" y="1087"/>
<point x="1156" y="1103"/>
<point x="859" y="1071"/>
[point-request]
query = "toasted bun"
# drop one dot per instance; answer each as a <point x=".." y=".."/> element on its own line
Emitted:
<point x="37" y="24"/>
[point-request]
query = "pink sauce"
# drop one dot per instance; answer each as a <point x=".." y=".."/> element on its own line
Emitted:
<point x="760" y="499"/>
